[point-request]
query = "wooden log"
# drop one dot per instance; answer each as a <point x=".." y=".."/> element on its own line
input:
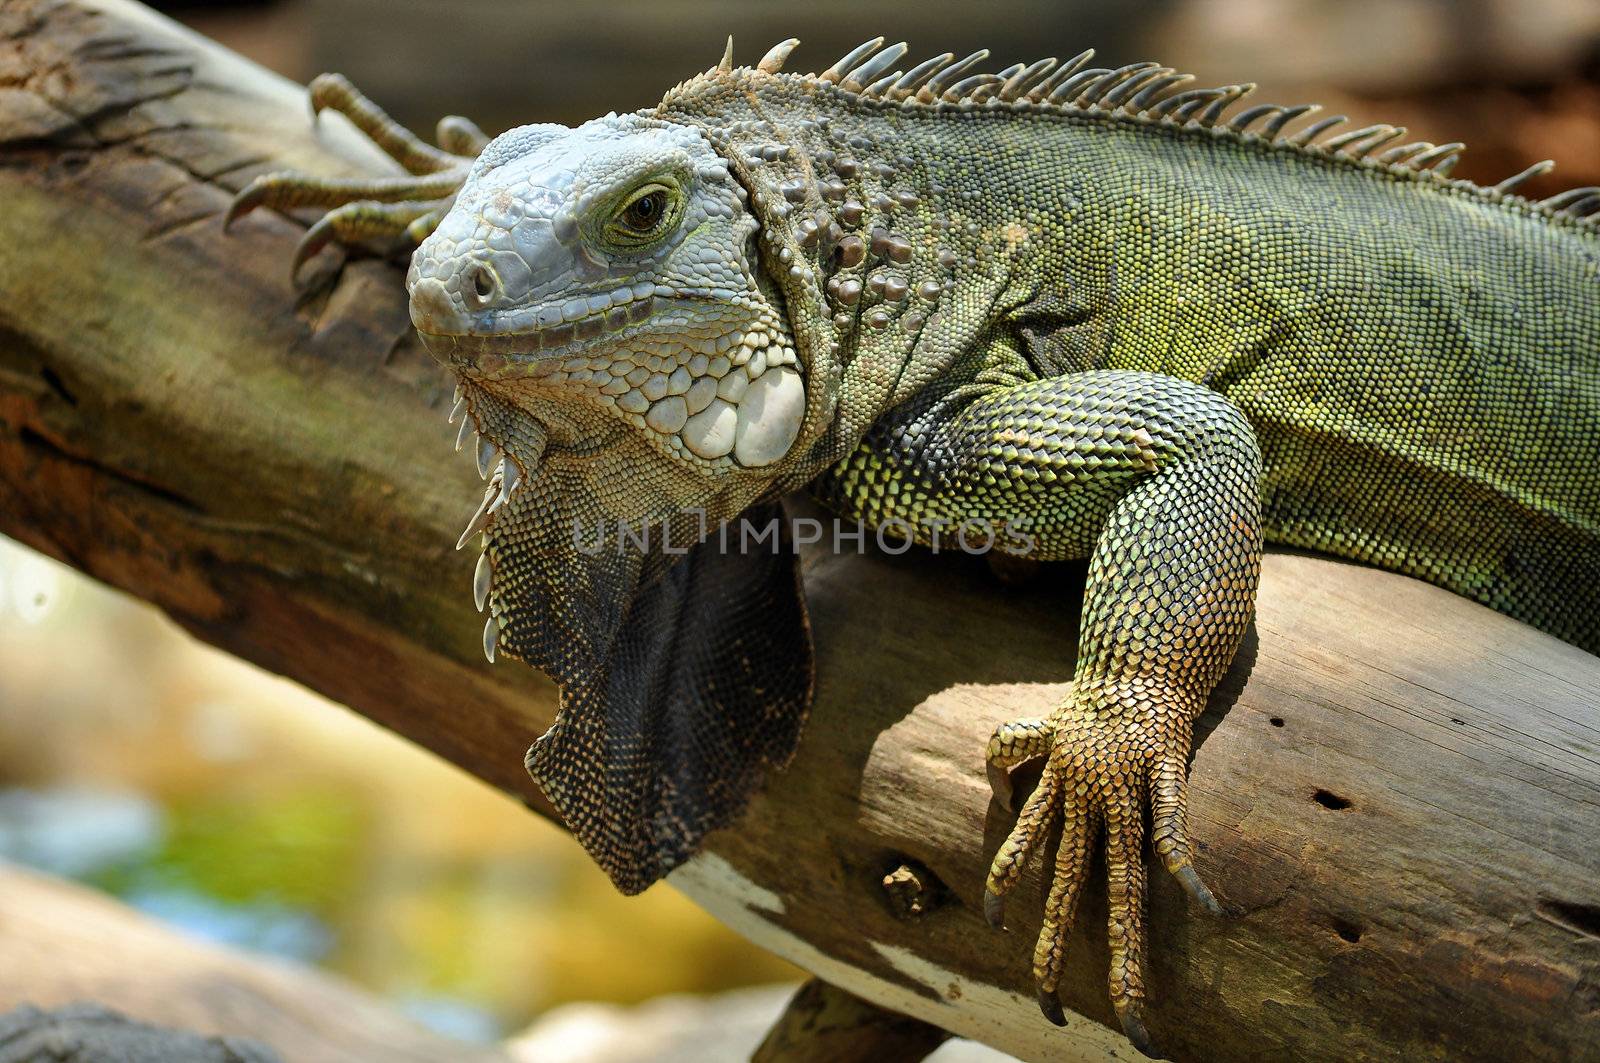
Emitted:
<point x="1398" y="788"/>
<point x="62" y="944"/>
<point x="824" y="1024"/>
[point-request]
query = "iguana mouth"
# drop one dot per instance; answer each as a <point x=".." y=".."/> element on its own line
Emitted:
<point x="561" y="336"/>
<point x="548" y="332"/>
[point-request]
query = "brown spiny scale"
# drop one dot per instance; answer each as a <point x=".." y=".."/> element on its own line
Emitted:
<point x="1129" y="86"/>
<point x="1067" y="90"/>
<point x="1439" y="156"/>
<point x="1510" y="184"/>
<point x="1092" y="94"/>
<point x="882" y="85"/>
<point x="1178" y="100"/>
<point x="1275" y="126"/>
<point x="917" y="76"/>
<point x="1357" y="138"/>
<point x="849" y="60"/>
<point x="1405" y="152"/>
<point x="1228" y="96"/>
<point x="1019" y="84"/>
<point x="1248" y="117"/>
<point x="948" y="74"/>
<point x="1311" y="132"/>
<point x="777" y="55"/>
<point x="1156" y="90"/>
<point x="969" y="85"/>
<point x="1042" y="91"/>
<point x="869" y="71"/>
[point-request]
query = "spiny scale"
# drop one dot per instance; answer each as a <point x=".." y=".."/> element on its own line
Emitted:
<point x="481" y="578"/>
<point x="480" y="519"/>
<point x="491" y="637"/>
<point x="510" y="476"/>
<point x="1144" y="91"/>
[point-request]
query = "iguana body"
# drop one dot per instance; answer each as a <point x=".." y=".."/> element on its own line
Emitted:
<point x="1079" y="302"/>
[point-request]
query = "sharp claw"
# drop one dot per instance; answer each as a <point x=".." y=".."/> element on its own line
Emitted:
<point x="994" y="909"/>
<point x="1004" y="792"/>
<point x="1050" y="1005"/>
<point x="1195" y="888"/>
<point x="317" y="237"/>
<point x="248" y="199"/>
<point x="1132" y="1019"/>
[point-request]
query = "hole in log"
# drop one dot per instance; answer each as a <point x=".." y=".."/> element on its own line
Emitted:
<point x="912" y="889"/>
<point x="58" y="387"/>
<point x="1582" y="918"/>
<point x="1346" y="930"/>
<point x="1276" y="721"/>
<point x="1329" y="799"/>
<point x="1458" y="723"/>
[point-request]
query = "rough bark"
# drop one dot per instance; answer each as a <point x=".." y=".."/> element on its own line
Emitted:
<point x="1397" y="788"/>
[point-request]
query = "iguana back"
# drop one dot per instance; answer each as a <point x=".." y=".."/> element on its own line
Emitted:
<point x="1419" y="357"/>
<point x="1421" y="363"/>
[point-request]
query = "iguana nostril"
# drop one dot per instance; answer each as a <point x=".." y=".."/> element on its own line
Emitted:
<point x="484" y="284"/>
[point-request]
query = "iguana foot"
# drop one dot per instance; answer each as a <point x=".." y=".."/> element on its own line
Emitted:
<point x="1106" y="758"/>
<point x="378" y="208"/>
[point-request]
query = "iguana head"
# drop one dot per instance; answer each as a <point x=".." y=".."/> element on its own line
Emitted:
<point x="628" y="364"/>
<point x="606" y="279"/>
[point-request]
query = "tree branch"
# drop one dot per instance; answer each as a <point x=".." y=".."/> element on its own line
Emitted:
<point x="1401" y="798"/>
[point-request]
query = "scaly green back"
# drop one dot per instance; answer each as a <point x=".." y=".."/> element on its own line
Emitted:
<point x="1419" y="356"/>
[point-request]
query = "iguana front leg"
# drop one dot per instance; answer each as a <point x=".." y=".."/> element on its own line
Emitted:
<point x="370" y="208"/>
<point x="1157" y="479"/>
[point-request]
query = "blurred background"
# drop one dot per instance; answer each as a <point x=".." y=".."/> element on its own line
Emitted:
<point x="248" y="811"/>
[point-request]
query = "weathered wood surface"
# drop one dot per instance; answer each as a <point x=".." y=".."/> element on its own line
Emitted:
<point x="61" y="944"/>
<point x="823" y="1024"/>
<point x="1403" y="800"/>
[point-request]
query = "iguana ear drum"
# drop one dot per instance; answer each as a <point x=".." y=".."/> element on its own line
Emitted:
<point x="703" y="687"/>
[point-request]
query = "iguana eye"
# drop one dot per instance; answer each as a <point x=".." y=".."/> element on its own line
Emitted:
<point x="644" y="212"/>
<point x="646" y="215"/>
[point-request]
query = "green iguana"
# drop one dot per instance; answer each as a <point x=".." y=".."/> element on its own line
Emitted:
<point x="1153" y="329"/>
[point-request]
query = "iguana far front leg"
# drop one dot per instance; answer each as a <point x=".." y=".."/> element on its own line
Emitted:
<point x="1157" y="480"/>
<point x="374" y="208"/>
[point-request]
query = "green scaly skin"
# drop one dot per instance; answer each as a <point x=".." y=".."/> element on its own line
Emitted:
<point x="1085" y="303"/>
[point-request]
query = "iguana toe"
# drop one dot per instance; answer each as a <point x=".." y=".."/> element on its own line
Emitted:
<point x="1107" y="760"/>
<point x="1132" y="1018"/>
<point x="1050" y="1005"/>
